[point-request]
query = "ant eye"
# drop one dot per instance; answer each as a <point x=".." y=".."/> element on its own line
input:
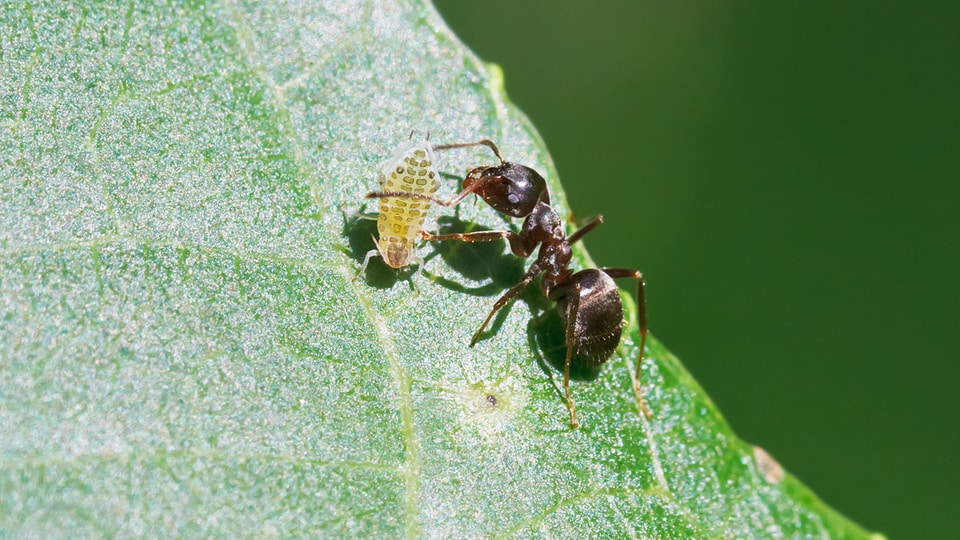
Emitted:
<point x="513" y="198"/>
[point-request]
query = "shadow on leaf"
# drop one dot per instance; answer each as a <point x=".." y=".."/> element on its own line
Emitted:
<point x="545" y="334"/>
<point x="360" y="233"/>
<point x="494" y="262"/>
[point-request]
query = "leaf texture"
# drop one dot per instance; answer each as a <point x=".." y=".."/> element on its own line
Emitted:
<point x="187" y="349"/>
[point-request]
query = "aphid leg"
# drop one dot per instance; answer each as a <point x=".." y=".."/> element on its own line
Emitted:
<point x="642" y="323"/>
<point x="485" y="142"/>
<point x="573" y="304"/>
<point x="591" y="225"/>
<point x="366" y="260"/>
<point x="511" y="293"/>
<point x="419" y="273"/>
<point x="369" y="217"/>
<point x="357" y="214"/>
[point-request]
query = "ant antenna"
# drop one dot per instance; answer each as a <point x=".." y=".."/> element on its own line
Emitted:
<point x="485" y="142"/>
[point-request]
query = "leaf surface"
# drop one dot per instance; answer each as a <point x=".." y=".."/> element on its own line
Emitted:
<point x="186" y="348"/>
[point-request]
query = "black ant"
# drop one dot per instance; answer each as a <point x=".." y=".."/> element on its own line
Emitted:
<point x="588" y="301"/>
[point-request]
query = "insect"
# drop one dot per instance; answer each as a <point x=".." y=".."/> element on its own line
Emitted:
<point x="411" y="178"/>
<point x="588" y="301"/>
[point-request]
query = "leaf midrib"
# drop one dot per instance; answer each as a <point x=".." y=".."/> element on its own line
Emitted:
<point x="411" y="467"/>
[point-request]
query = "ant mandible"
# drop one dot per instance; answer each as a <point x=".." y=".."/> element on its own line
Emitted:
<point x="588" y="301"/>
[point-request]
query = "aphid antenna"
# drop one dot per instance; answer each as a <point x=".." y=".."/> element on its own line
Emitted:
<point x="412" y="131"/>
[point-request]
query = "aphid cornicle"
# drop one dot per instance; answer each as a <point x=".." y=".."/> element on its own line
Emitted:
<point x="413" y="172"/>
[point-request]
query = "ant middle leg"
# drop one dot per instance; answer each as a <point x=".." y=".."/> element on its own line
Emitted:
<point x="511" y="293"/>
<point x="516" y="240"/>
<point x="642" y="323"/>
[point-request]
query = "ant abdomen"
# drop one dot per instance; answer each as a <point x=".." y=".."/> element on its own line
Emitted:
<point x="595" y="333"/>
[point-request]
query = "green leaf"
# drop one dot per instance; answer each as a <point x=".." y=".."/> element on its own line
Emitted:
<point x="186" y="348"/>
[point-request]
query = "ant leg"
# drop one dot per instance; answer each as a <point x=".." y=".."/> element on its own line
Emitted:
<point x="408" y="195"/>
<point x="573" y="305"/>
<point x="641" y="322"/>
<point x="511" y="293"/>
<point x="591" y="225"/>
<point x="485" y="142"/>
<point x="480" y="236"/>
<point x="516" y="240"/>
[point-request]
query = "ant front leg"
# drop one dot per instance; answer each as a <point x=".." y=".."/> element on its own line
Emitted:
<point x="409" y="195"/>
<point x="642" y="323"/>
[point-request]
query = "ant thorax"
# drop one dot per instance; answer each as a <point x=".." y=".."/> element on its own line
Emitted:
<point x="554" y="259"/>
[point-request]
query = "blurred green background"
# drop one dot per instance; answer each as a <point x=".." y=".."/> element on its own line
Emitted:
<point x="787" y="176"/>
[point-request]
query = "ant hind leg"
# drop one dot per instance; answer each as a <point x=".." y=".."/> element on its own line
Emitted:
<point x="642" y="323"/>
<point x="511" y="293"/>
<point x="573" y="305"/>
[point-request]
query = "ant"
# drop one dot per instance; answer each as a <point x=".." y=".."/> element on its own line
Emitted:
<point x="588" y="301"/>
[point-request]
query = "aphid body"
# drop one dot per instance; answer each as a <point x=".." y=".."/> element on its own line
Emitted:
<point x="401" y="218"/>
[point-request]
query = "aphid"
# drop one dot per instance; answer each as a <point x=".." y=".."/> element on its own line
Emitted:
<point x="411" y="178"/>
<point x="588" y="301"/>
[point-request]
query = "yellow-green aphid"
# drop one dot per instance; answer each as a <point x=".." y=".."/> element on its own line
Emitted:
<point x="401" y="218"/>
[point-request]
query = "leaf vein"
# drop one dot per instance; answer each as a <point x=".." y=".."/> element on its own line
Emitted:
<point x="412" y="464"/>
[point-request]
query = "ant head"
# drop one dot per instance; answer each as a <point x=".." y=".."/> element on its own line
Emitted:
<point x="509" y="188"/>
